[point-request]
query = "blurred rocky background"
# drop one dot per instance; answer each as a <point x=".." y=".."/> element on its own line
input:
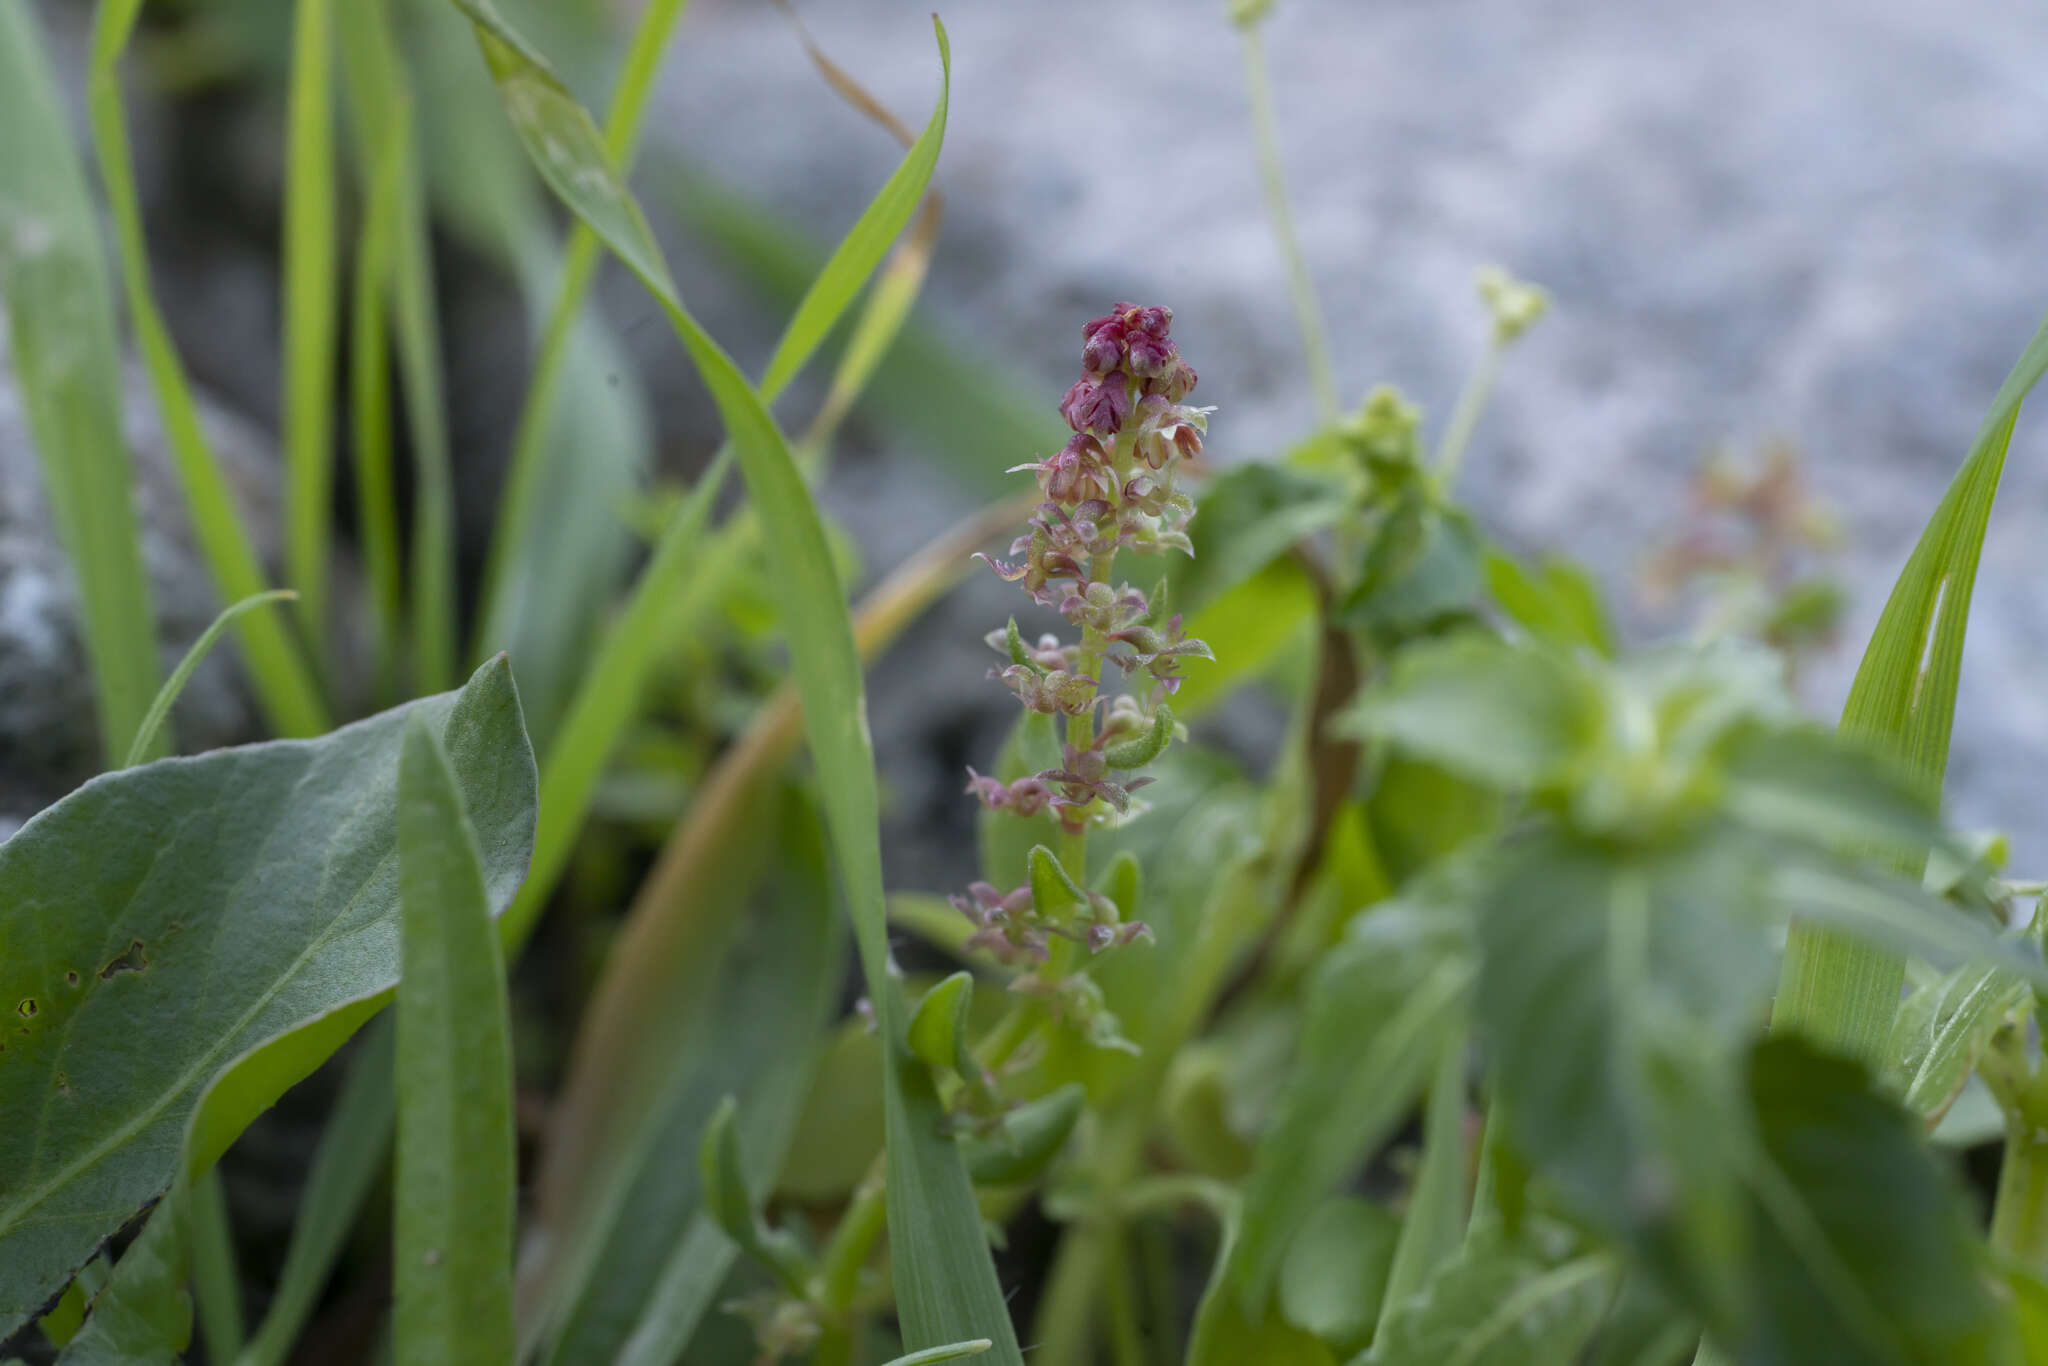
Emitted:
<point x="1816" y="222"/>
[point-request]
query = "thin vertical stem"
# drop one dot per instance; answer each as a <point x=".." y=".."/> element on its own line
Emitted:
<point x="1308" y="316"/>
<point x="1465" y="416"/>
<point x="2019" y="1218"/>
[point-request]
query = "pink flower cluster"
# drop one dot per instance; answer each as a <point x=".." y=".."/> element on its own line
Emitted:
<point x="1111" y="488"/>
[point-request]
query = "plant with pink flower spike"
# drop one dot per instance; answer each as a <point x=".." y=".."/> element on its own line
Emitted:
<point x="1111" y="488"/>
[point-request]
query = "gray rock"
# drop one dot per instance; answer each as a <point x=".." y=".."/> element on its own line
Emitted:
<point x="1820" y="220"/>
<point x="49" y="738"/>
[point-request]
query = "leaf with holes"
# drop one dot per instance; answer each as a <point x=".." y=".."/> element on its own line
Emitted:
<point x="181" y="942"/>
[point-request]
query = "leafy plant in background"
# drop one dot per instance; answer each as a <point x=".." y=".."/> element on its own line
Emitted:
<point x="1503" y="877"/>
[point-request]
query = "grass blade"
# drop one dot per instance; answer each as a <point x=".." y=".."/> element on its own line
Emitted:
<point x="946" y="1284"/>
<point x="1841" y="992"/>
<point x="455" y="1173"/>
<point x="683" y="569"/>
<point x="370" y="384"/>
<point x="285" y="686"/>
<point x="352" y="1151"/>
<point x="689" y="891"/>
<point x="53" y="283"/>
<point x="216" y="1284"/>
<point x="647" y="1259"/>
<point x="396" y="227"/>
<point x="309" y="312"/>
<point x="520" y="502"/>
<point x="167" y="696"/>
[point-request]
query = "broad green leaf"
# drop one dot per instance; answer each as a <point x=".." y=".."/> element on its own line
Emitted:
<point x="67" y="360"/>
<point x="1381" y="1011"/>
<point x="287" y="851"/>
<point x="946" y="1284"/>
<point x="1903" y="703"/>
<point x="144" y="1316"/>
<point x="1252" y="514"/>
<point x="284" y="683"/>
<point x="1028" y="1138"/>
<point x="1495" y="1304"/>
<point x="644" y="1262"/>
<point x="1558" y="603"/>
<point x="1894" y="916"/>
<point x="455" y="1184"/>
<point x="1839" y="1272"/>
<point x="1422" y="570"/>
<point x="1480" y="708"/>
<point x="1803" y="783"/>
<point x="1336" y="1271"/>
<point x="1613" y="998"/>
<point x="1226" y="1335"/>
<point x="1943" y="1028"/>
<point x="839" y="1133"/>
<point x="1251" y="628"/>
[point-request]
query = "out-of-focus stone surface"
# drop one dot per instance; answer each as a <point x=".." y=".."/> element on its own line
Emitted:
<point x="49" y="735"/>
<point x="1823" y="222"/>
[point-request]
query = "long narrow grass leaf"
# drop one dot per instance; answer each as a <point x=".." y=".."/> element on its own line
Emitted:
<point x="284" y="683"/>
<point x="309" y="312"/>
<point x="216" y="1282"/>
<point x="370" y="421"/>
<point x="669" y="603"/>
<point x="381" y="106"/>
<point x="946" y="1284"/>
<point x="167" y="696"/>
<point x="66" y="358"/>
<point x="456" y="1165"/>
<point x="1840" y="991"/>
<point x="519" y="503"/>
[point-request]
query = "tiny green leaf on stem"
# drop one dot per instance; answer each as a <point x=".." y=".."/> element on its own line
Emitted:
<point x="1147" y="747"/>
<point x="455" y="1176"/>
<point x="1053" y="888"/>
<point x="938" y="1031"/>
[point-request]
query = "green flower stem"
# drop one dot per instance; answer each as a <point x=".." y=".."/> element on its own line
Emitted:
<point x="1308" y="315"/>
<point x="1471" y="406"/>
<point x="1126" y="1343"/>
<point x="2019" y="1218"/>
<point x="860" y="1228"/>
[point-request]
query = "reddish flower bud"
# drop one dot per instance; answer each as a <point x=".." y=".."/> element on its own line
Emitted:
<point x="1102" y="344"/>
<point x="1149" y="356"/>
<point x="1097" y="403"/>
